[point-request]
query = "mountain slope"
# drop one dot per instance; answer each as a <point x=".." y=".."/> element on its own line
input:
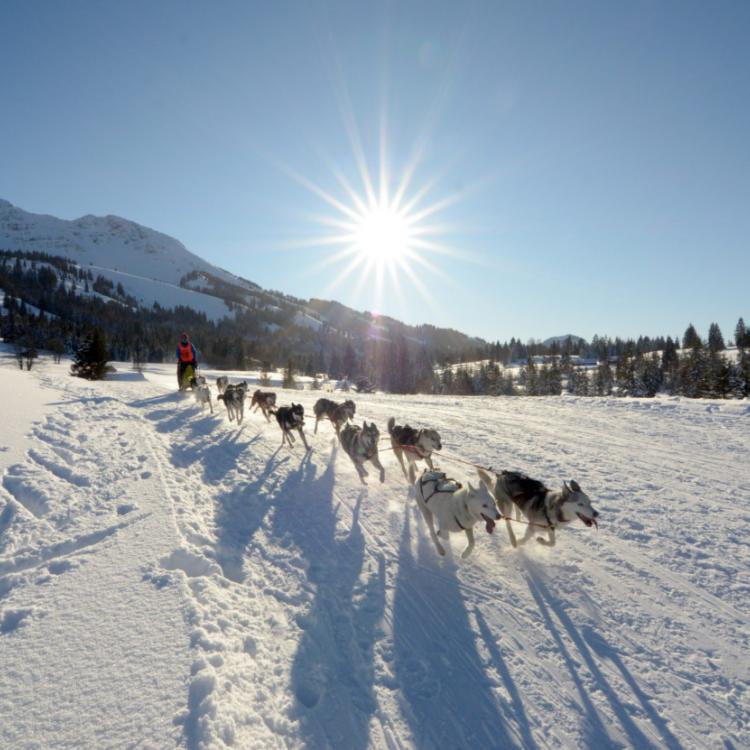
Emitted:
<point x="153" y="267"/>
<point x="105" y="241"/>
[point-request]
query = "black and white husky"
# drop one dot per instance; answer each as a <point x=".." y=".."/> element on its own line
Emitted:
<point x="339" y="414"/>
<point x="456" y="508"/>
<point x="234" y="399"/>
<point x="415" y="444"/>
<point x="291" y="418"/>
<point x="542" y="508"/>
<point x="361" y="445"/>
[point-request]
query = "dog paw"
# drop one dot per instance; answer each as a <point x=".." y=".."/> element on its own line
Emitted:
<point x="441" y="551"/>
<point x="382" y="478"/>
<point x="466" y="553"/>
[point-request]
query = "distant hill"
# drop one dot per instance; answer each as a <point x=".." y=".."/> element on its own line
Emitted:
<point x="562" y="339"/>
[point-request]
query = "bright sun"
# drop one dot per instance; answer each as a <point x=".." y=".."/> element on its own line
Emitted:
<point x="383" y="231"/>
<point x="382" y="236"/>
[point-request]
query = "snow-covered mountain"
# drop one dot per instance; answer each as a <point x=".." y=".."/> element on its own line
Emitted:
<point x="104" y="241"/>
<point x="149" y="264"/>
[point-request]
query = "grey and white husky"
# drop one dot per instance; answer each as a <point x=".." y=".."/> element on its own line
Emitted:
<point x="456" y="508"/>
<point x="361" y="445"/>
<point x="234" y="399"/>
<point x="265" y="401"/>
<point x="202" y="395"/>
<point x="541" y="507"/>
<point x="221" y="383"/>
<point x="415" y="444"/>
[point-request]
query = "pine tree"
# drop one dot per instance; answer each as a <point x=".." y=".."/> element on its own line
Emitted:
<point x="715" y="339"/>
<point x="289" y="381"/>
<point x="741" y="335"/>
<point x="603" y="379"/>
<point x="691" y="339"/>
<point x="90" y="360"/>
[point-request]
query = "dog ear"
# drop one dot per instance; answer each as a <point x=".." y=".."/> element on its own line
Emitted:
<point x="575" y="486"/>
<point x="486" y="479"/>
<point x="566" y="488"/>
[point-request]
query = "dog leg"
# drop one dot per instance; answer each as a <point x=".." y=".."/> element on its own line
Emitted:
<point x="315" y="431"/>
<point x="376" y="463"/>
<point x="545" y="542"/>
<point x="431" y="526"/>
<point x="412" y="472"/>
<point x="362" y="472"/>
<point x="529" y="533"/>
<point x="513" y="540"/>
<point x="302" y="435"/>
<point x="470" y="546"/>
<point x="210" y="405"/>
<point x="400" y="456"/>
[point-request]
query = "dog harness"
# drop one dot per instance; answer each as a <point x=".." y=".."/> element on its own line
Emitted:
<point x="441" y="484"/>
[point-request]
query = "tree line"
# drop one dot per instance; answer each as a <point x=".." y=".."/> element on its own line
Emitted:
<point x="52" y="303"/>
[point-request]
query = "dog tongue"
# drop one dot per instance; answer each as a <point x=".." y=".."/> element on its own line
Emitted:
<point x="489" y="525"/>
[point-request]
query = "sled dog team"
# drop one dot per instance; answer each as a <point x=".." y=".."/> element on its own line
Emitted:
<point x="442" y="500"/>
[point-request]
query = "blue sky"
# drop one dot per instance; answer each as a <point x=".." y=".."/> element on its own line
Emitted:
<point x="590" y="161"/>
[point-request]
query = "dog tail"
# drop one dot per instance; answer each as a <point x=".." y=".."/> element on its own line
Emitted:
<point x="391" y="424"/>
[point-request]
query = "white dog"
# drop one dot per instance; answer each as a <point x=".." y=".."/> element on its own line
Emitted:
<point x="456" y="508"/>
<point x="203" y="395"/>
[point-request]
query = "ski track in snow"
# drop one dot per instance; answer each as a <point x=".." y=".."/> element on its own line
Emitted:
<point x="261" y="597"/>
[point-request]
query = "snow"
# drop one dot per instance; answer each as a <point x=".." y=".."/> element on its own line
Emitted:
<point x="168" y="578"/>
<point x="106" y="241"/>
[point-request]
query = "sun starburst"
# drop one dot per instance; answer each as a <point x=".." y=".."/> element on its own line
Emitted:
<point x="381" y="236"/>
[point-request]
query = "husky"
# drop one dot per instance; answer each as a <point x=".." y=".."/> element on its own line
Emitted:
<point x="339" y="414"/>
<point x="196" y="381"/>
<point x="416" y="444"/>
<point x="266" y="400"/>
<point x="455" y="507"/>
<point x="202" y="395"/>
<point x="361" y="444"/>
<point x="291" y="418"/>
<point x="234" y="399"/>
<point x="221" y="383"/>
<point x="542" y="507"/>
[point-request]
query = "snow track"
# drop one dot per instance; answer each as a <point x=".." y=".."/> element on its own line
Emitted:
<point x="159" y="562"/>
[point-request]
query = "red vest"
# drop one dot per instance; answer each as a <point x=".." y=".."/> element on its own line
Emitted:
<point x="186" y="352"/>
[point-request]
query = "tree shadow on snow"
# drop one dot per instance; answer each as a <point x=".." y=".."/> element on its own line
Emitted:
<point x="596" y="732"/>
<point x="449" y="698"/>
<point x="332" y="674"/>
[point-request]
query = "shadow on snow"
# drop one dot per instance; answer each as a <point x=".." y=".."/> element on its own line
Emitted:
<point x="448" y="696"/>
<point x="332" y="673"/>
<point x="595" y="730"/>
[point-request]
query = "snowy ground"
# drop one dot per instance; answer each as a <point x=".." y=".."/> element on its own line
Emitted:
<point x="167" y="578"/>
